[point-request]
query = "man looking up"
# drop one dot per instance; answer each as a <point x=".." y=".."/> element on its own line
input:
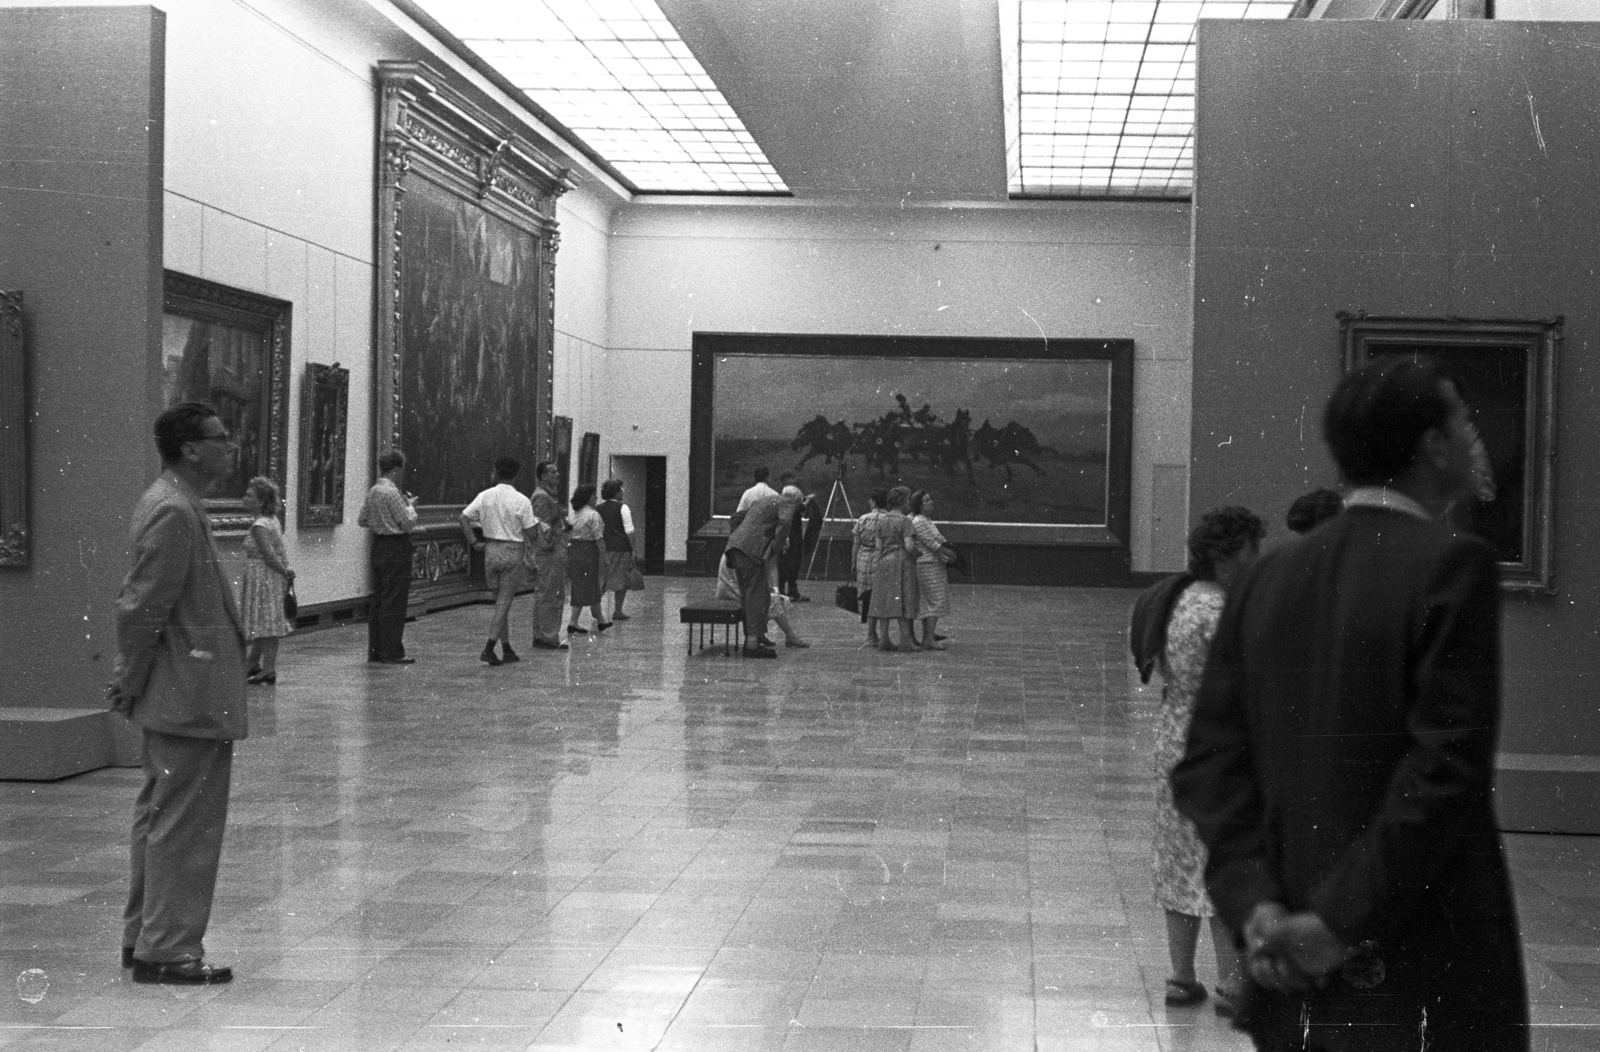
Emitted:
<point x="1341" y="757"/>
<point x="390" y="515"/>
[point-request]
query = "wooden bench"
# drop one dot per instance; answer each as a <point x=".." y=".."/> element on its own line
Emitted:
<point x="714" y="612"/>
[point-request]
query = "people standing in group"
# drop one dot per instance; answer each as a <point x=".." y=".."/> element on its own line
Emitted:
<point x="864" y="557"/>
<point x="179" y="675"/>
<point x="894" y="575"/>
<point x="506" y="518"/>
<point x="549" y="557"/>
<point x="390" y="514"/>
<point x="934" y="555"/>
<point x="588" y="531"/>
<point x="266" y="581"/>
<point x="1340" y="765"/>
<point x="752" y="547"/>
<point x="805" y="526"/>
<point x="1220" y="547"/>
<point x="618" y="556"/>
<point x="758" y="490"/>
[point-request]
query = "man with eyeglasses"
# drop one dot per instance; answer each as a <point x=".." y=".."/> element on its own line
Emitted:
<point x="179" y="675"/>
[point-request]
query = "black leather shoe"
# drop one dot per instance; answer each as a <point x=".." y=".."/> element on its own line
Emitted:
<point x="542" y="645"/>
<point x="758" y="652"/>
<point x="182" y="973"/>
<point x="398" y="661"/>
<point x="507" y="654"/>
<point x="601" y="626"/>
<point x="577" y="630"/>
<point x="127" y="956"/>
<point x="489" y="657"/>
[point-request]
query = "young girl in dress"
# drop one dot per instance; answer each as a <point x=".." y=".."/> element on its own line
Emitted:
<point x="266" y="579"/>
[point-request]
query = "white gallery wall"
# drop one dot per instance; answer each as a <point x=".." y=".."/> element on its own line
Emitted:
<point x="1028" y="269"/>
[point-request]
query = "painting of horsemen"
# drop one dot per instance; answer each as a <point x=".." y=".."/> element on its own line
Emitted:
<point x="999" y="440"/>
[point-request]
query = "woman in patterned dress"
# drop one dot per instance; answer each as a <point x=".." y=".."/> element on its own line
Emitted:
<point x="894" y="575"/>
<point x="864" y="557"/>
<point x="583" y="561"/>
<point x="1224" y="543"/>
<point x="266" y="578"/>
<point x="933" y="580"/>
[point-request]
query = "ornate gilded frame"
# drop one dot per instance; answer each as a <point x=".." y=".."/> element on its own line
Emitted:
<point x="15" y="546"/>
<point x="1524" y="444"/>
<point x="215" y="304"/>
<point x="324" y="423"/>
<point x="436" y="127"/>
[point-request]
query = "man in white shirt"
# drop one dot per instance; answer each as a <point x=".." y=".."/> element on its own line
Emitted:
<point x="756" y="492"/>
<point x="506" y="519"/>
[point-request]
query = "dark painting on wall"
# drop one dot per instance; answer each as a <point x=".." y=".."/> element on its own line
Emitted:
<point x="470" y="381"/>
<point x="997" y="440"/>
<point x="561" y="453"/>
<point x="1504" y="371"/>
<point x="324" y="418"/>
<point x="589" y="459"/>
<point x="15" y="548"/>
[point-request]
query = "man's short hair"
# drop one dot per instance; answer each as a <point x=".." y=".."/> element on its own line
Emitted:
<point x="391" y="459"/>
<point x="1313" y="509"/>
<point x="785" y="478"/>
<point x="761" y="473"/>
<point x="506" y="468"/>
<point x="610" y="488"/>
<point x="1378" y="414"/>
<point x="540" y="468"/>
<point x="184" y="422"/>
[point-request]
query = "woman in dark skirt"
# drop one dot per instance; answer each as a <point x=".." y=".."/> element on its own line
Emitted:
<point x="583" y="560"/>
<point x="617" y="554"/>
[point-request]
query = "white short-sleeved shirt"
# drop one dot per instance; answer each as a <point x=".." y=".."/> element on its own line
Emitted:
<point x="501" y="512"/>
<point x="753" y="494"/>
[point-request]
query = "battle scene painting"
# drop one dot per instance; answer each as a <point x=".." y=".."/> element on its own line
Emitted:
<point x="995" y="440"/>
<point x="469" y="379"/>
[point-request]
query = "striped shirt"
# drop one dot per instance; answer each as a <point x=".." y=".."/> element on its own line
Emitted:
<point x="387" y="512"/>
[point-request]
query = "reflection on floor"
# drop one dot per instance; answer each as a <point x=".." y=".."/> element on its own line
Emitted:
<point x="622" y="847"/>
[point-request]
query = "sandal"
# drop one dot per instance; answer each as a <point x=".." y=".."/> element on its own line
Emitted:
<point x="1184" y="992"/>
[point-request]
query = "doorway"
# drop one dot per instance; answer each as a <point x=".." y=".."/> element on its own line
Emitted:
<point x="644" y="491"/>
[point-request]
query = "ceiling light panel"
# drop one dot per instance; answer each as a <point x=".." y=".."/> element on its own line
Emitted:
<point x="617" y="75"/>
<point x="1100" y="93"/>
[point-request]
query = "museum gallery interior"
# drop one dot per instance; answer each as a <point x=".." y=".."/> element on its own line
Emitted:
<point x="1083" y="269"/>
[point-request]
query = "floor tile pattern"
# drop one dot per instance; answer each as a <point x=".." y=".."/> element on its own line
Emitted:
<point x="627" y="847"/>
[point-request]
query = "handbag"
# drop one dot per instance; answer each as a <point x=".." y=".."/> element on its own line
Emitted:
<point x="291" y="606"/>
<point x="847" y="598"/>
<point x="635" y="579"/>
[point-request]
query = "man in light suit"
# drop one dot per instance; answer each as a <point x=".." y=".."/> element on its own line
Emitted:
<point x="1341" y="757"/>
<point x="752" y="546"/>
<point x="179" y="675"/>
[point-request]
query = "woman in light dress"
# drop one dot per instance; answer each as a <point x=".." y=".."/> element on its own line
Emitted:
<point x="894" y="575"/>
<point x="1224" y="543"/>
<point x="933" y="579"/>
<point x="266" y="579"/>
<point x="583" y="560"/>
<point x="777" y="610"/>
<point x="864" y="556"/>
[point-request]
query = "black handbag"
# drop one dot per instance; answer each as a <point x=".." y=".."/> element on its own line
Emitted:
<point x="846" y="598"/>
<point x="291" y="605"/>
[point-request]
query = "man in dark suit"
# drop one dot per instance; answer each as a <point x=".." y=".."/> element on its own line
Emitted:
<point x="1341" y="757"/>
<point x="179" y="675"/>
<point x="752" y="545"/>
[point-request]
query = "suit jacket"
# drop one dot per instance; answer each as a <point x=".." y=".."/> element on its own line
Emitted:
<point x="764" y="529"/>
<point x="180" y="649"/>
<point x="1341" y="760"/>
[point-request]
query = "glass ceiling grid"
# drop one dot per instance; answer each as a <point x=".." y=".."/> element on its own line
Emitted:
<point x="1104" y="93"/>
<point x="617" y="75"/>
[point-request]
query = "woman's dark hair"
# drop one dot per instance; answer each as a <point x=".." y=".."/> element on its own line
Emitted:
<point x="898" y="497"/>
<point x="267" y="493"/>
<point x="1313" y="509"/>
<point x="390" y="460"/>
<point x="880" y="497"/>
<point x="1376" y="416"/>
<point x="1221" y="533"/>
<point x="178" y="424"/>
<point x="610" y="488"/>
<point x="916" y="501"/>
<point x="582" y="496"/>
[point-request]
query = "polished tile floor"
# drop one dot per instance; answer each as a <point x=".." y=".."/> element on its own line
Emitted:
<point x="624" y="847"/>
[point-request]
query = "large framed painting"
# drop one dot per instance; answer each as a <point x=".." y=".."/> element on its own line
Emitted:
<point x="324" y="418"/>
<point x="230" y="347"/>
<point x="466" y="246"/>
<point x="1505" y="370"/>
<point x="1024" y="443"/>
<point x="15" y="548"/>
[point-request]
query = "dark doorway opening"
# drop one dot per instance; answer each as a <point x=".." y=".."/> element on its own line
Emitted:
<point x="644" y="490"/>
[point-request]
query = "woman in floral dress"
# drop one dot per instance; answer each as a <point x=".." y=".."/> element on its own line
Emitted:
<point x="266" y="579"/>
<point x="933" y="579"/>
<point x="894" y="575"/>
<point x="1219" y="550"/>
<point x="864" y="537"/>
